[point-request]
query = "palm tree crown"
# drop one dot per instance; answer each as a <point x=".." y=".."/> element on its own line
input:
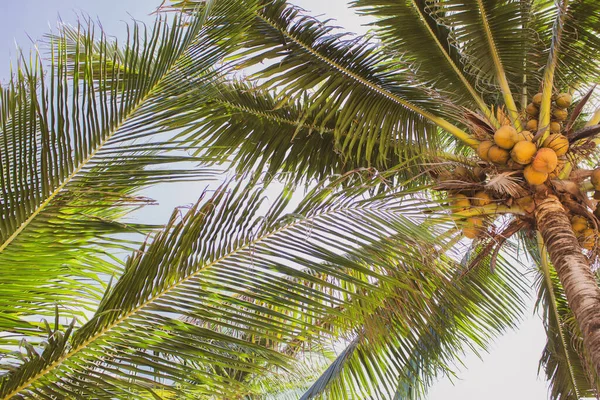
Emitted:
<point x="437" y="153"/>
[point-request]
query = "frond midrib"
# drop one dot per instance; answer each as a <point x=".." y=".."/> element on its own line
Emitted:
<point x="83" y="163"/>
<point x="175" y="285"/>
<point x="482" y="106"/>
<point x="440" y="122"/>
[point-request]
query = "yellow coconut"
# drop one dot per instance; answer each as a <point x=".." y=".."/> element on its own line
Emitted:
<point x="523" y="152"/>
<point x="532" y="125"/>
<point x="461" y="172"/>
<point x="526" y="203"/>
<point x="498" y="155"/>
<point x="481" y="199"/>
<point x="537" y="99"/>
<point x="534" y="177"/>
<point x="545" y="160"/>
<point x="460" y="202"/>
<point x="473" y="227"/>
<point x="560" y="114"/>
<point x="563" y="100"/>
<point x="483" y="148"/>
<point x="555" y="127"/>
<point x="557" y="142"/>
<point x="506" y="137"/>
<point x="579" y="223"/>
<point x="595" y="178"/>
<point x="559" y="167"/>
<point x="587" y="239"/>
<point x="532" y="109"/>
<point x="524" y="135"/>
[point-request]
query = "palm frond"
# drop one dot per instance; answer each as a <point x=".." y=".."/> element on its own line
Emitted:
<point x="199" y="268"/>
<point x="424" y="342"/>
<point x="409" y="29"/>
<point x="491" y="36"/>
<point x="76" y="142"/>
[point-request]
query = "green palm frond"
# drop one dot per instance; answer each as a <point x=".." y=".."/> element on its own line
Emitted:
<point x="199" y="268"/>
<point x="424" y="341"/>
<point x="255" y="132"/>
<point x="76" y="142"/>
<point x="409" y="29"/>
<point x="342" y="73"/>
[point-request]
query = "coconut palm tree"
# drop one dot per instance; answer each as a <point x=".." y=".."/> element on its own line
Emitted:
<point x="437" y="155"/>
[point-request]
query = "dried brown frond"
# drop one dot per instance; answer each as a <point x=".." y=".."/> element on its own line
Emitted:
<point x="506" y="184"/>
<point x="478" y="125"/>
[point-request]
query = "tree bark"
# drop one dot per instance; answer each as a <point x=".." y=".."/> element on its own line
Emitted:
<point x="573" y="269"/>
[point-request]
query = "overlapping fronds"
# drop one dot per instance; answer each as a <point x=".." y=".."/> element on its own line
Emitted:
<point x="302" y="56"/>
<point x="466" y="308"/>
<point x="76" y="142"/>
<point x="256" y="282"/>
<point x="409" y="29"/>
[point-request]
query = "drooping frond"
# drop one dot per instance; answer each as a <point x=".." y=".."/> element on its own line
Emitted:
<point x="422" y="342"/>
<point x="248" y="126"/>
<point x="408" y="29"/>
<point x="300" y="55"/>
<point x="256" y="283"/>
<point x="76" y="142"/>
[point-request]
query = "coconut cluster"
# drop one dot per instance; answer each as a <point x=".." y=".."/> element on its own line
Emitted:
<point x="585" y="234"/>
<point x="472" y="226"/>
<point x="517" y="150"/>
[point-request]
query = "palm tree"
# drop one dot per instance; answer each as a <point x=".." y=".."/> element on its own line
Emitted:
<point x="425" y="149"/>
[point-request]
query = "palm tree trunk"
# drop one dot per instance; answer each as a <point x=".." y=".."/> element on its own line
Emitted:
<point x="573" y="269"/>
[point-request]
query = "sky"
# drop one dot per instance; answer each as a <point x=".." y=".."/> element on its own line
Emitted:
<point x="509" y="371"/>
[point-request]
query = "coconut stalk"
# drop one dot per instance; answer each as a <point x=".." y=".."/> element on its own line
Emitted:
<point x="573" y="269"/>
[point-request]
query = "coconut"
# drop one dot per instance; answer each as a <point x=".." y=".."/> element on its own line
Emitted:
<point x="587" y="239"/>
<point x="579" y="223"/>
<point x="563" y="100"/>
<point x="555" y="127"/>
<point x="534" y="177"/>
<point x="460" y="202"/>
<point x="532" y="110"/>
<point x="537" y="99"/>
<point x="461" y="173"/>
<point x="560" y="114"/>
<point x="557" y="142"/>
<point x="498" y="155"/>
<point x="524" y="135"/>
<point x="595" y="178"/>
<point x="532" y="125"/>
<point x="506" y="137"/>
<point x="559" y="167"/>
<point x="545" y="160"/>
<point x="523" y="152"/>
<point x="483" y="148"/>
<point x="526" y="203"/>
<point x="473" y="227"/>
<point x="596" y="195"/>
<point x="481" y="199"/>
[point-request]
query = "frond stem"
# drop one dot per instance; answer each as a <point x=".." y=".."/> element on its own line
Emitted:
<point x="500" y="74"/>
<point x="440" y="122"/>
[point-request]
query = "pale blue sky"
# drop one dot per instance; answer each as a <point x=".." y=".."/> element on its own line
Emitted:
<point x="508" y="372"/>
